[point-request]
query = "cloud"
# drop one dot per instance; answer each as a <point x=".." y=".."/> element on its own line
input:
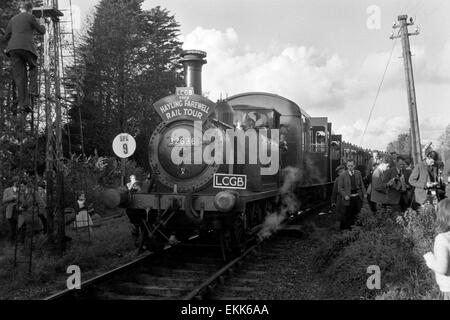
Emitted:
<point x="383" y="130"/>
<point x="432" y="67"/>
<point x="312" y="78"/>
<point x="326" y="84"/>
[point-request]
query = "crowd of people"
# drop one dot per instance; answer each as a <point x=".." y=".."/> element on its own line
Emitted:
<point x="23" y="210"/>
<point x="392" y="184"/>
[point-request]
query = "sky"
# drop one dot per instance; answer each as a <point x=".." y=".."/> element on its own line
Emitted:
<point x="328" y="56"/>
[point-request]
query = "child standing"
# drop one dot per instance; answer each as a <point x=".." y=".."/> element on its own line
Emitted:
<point x="439" y="262"/>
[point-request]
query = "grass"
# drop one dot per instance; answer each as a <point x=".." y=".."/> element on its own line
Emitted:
<point x="111" y="245"/>
<point x="394" y="242"/>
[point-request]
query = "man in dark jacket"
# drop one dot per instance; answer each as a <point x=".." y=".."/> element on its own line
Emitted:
<point x="352" y="190"/>
<point x="21" y="50"/>
<point x="446" y="177"/>
<point x="423" y="178"/>
<point x="396" y="184"/>
<point x="336" y="200"/>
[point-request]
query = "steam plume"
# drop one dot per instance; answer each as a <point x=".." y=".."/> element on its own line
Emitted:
<point x="288" y="201"/>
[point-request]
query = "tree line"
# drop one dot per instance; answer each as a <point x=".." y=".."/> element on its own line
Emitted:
<point x="125" y="61"/>
<point x="402" y="145"/>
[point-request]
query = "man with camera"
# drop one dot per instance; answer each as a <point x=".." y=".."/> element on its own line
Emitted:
<point x="423" y="178"/>
<point x="396" y="184"/>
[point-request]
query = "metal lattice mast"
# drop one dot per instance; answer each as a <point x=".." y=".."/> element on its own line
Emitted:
<point x="68" y="58"/>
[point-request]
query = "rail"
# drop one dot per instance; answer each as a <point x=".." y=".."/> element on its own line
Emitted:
<point x="217" y="276"/>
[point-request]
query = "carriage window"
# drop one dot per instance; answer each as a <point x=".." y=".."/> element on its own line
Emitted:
<point x="318" y="141"/>
<point x="335" y="150"/>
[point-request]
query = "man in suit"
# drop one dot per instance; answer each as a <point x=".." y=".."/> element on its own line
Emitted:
<point x="446" y="177"/>
<point x="379" y="188"/>
<point x="422" y="178"/>
<point x="21" y="50"/>
<point x="407" y="197"/>
<point x="396" y="184"/>
<point x="351" y="189"/>
<point x="336" y="200"/>
<point x="9" y="202"/>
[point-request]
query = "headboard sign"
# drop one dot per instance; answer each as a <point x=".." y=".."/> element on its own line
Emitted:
<point x="185" y="105"/>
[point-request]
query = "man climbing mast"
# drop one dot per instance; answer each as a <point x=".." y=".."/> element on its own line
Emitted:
<point x="22" y="52"/>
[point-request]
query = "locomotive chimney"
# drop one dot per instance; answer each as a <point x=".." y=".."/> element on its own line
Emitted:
<point x="193" y="61"/>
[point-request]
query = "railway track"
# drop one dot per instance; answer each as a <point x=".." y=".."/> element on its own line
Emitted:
<point x="189" y="271"/>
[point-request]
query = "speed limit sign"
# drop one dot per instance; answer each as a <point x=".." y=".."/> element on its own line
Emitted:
<point x="124" y="145"/>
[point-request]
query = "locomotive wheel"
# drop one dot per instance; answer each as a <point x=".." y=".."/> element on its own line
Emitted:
<point x="250" y="214"/>
<point x="270" y="206"/>
<point x="226" y="244"/>
<point x="238" y="234"/>
<point x="232" y="239"/>
<point x="139" y="240"/>
<point x="259" y="214"/>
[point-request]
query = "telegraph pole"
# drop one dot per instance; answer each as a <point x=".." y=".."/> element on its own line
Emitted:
<point x="412" y="103"/>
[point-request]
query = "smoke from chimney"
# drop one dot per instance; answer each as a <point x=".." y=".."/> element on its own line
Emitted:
<point x="193" y="61"/>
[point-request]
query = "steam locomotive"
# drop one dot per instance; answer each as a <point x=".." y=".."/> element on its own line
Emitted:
<point x="221" y="166"/>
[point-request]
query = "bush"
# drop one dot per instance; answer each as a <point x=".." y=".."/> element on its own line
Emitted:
<point x="419" y="229"/>
<point x="394" y="243"/>
<point x="92" y="176"/>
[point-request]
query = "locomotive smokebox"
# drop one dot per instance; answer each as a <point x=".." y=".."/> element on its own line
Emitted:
<point x="193" y="61"/>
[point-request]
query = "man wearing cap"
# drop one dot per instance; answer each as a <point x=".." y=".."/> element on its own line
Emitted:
<point x="352" y="190"/>
<point x="21" y="50"/>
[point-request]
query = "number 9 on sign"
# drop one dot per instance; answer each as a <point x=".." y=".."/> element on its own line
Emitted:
<point x="124" y="145"/>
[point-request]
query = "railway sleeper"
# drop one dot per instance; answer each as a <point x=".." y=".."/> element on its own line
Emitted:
<point x="151" y="290"/>
<point x="116" y="296"/>
<point x="161" y="271"/>
<point x="145" y="279"/>
<point x="232" y="291"/>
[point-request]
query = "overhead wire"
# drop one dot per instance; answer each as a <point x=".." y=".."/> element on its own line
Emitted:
<point x="379" y="90"/>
